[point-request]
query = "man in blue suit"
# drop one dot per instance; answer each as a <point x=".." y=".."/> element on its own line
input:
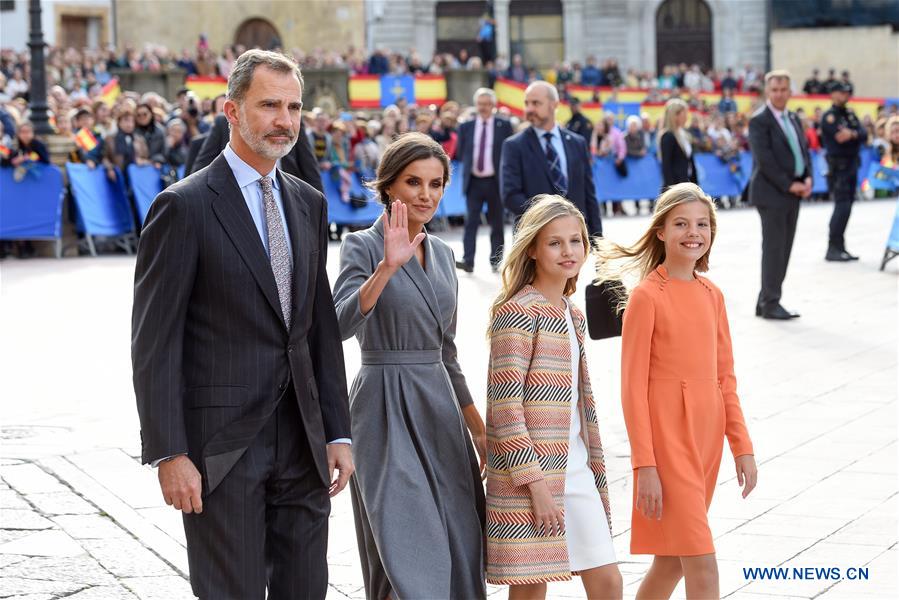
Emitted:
<point x="480" y="142"/>
<point x="547" y="159"/>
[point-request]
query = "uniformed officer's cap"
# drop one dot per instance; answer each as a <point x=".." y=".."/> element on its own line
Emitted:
<point x="841" y="87"/>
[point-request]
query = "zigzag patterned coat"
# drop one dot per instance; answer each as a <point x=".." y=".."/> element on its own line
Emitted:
<point x="528" y="421"/>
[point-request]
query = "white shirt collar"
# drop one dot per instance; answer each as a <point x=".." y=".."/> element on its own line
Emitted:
<point x="244" y="173"/>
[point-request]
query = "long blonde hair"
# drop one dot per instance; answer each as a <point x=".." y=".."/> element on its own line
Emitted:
<point x="673" y="108"/>
<point x="518" y="268"/>
<point x="616" y="263"/>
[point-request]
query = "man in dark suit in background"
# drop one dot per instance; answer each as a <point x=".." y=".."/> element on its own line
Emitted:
<point x="547" y="159"/>
<point x="480" y="143"/>
<point x="237" y="357"/>
<point x="299" y="162"/>
<point x="781" y="177"/>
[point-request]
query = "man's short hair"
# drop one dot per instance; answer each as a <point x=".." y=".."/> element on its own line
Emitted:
<point x="484" y="92"/>
<point x="777" y="74"/>
<point x="242" y="73"/>
<point x="551" y="90"/>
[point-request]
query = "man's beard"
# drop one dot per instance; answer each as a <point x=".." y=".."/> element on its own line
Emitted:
<point x="259" y="143"/>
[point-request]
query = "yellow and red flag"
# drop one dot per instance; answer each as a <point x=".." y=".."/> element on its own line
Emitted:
<point x="206" y="87"/>
<point x="85" y="139"/>
<point x="430" y="89"/>
<point x="365" y="91"/>
<point x="510" y="94"/>
<point x="111" y="91"/>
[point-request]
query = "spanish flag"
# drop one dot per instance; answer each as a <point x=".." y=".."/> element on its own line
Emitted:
<point x="862" y="106"/>
<point x="654" y="111"/>
<point x="365" y="91"/>
<point x="111" y="91"/>
<point x="85" y="139"/>
<point x="430" y="89"/>
<point x="510" y="94"/>
<point x="206" y="87"/>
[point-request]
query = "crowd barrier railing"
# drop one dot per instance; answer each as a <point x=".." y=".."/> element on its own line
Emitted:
<point x="101" y="206"/>
<point x="31" y="209"/>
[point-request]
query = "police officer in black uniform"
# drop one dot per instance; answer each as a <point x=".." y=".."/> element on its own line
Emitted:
<point x="842" y="135"/>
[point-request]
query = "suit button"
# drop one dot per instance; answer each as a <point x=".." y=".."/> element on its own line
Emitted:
<point x="683" y="384"/>
<point x="290" y="349"/>
<point x="281" y="387"/>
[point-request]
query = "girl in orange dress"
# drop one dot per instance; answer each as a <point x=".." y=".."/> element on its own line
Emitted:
<point x="678" y="392"/>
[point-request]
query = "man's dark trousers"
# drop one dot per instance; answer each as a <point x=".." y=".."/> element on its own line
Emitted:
<point x="778" y="231"/>
<point x="481" y="190"/>
<point x="842" y="181"/>
<point x="273" y="509"/>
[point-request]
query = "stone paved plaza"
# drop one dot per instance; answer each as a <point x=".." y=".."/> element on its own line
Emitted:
<point x="82" y="519"/>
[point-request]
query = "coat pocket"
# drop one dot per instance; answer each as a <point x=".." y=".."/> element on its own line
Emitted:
<point x="216" y="396"/>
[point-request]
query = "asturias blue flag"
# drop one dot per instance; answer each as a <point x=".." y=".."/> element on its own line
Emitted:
<point x="394" y="87"/>
<point x="621" y="110"/>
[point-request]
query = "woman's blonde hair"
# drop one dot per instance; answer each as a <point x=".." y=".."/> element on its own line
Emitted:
<point x="616" y="263"/>
<point x="673" y="107"/>
<point x="518" y="268"/>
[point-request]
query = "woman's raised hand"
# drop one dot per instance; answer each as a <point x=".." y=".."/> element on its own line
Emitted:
<point x="397" y="247"/>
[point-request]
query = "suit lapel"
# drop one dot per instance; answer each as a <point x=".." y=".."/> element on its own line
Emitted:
<point x="566" y="145"/>
<point x="778" y="127"/>
<point x="296" y="214"/>
<point x="232" y="212"/>
<point x="497" y="145"/>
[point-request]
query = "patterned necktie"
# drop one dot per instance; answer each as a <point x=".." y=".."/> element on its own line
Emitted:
<point x="560" y="182"/>
<point x="278" y="250"/>
<point x="482" y="145"/>
<point x="798" y="163"/>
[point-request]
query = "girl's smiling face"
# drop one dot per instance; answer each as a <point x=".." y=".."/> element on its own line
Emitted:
<point x="687" y="233"/>
<point x="558" y="251"/>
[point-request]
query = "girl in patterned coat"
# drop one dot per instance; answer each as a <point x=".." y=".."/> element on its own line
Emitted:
<point x="678" y="392"/>
<point x="547" y="498"/>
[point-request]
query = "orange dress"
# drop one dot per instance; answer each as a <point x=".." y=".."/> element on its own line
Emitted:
<point x="680" y="400"/>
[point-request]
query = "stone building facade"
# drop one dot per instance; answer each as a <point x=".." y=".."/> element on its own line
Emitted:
<point x="640" y="33"/>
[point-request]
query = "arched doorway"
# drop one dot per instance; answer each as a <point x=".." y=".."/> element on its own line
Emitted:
<point x="683" y="33"/>
<point x="257" y="33"/>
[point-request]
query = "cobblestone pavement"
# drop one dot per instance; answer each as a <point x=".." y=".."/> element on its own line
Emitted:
<point x="82" y="519"/>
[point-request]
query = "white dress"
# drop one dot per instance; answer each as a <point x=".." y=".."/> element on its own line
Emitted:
<point x="586" y="528"/>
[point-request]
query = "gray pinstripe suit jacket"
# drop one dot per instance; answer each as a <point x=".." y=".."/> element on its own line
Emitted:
<point x="211" y="354"/>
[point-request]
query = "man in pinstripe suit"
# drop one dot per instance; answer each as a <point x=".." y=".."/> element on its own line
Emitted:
<point x="238" y="363"/>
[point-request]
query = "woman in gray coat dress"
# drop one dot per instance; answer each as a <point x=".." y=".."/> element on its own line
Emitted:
<point x="417" y="495"/>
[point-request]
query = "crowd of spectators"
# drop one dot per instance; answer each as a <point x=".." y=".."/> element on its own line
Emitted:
<point x="149" y="129"/>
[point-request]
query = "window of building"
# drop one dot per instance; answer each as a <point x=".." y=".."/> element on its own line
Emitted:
<point x="7" y="5"/>
<point x="457" y="26"/>
<point x="536" y="31"/>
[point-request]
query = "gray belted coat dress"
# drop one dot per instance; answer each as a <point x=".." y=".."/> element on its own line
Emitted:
<point x="417" y="495"/>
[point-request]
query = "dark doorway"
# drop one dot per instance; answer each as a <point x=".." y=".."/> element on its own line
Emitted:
<point x="457" y="26"/>
<point x="683" y="33"/>
<point x="257" y="33"/>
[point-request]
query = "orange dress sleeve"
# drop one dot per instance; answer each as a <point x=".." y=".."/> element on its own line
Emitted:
<point x="735" y="427"/>
<point x="636" y="343"/>
<point x="511" y="348"/>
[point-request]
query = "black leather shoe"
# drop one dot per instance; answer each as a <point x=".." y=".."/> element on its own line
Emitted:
<point x="851" y="256"/>
<point x="464" y="266"/>
<point x="836" y="255"/>
<point x="778" y="312"/>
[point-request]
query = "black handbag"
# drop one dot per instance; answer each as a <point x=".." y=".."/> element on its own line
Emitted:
<point x="603" y="318"/>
